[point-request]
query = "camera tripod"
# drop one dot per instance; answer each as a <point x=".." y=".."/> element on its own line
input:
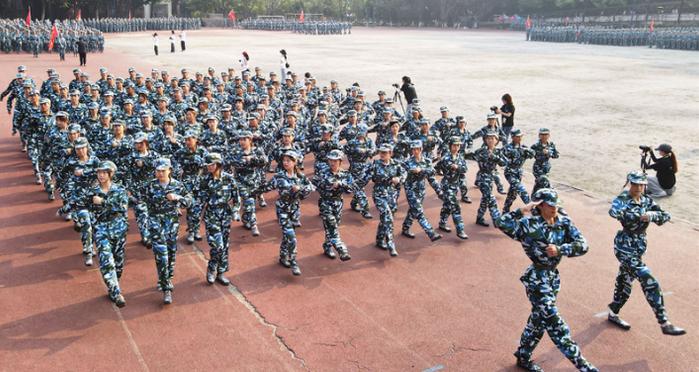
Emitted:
<point x="397" y="97"/>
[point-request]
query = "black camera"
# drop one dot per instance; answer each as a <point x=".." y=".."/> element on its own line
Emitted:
<point x="645" y="148"/>
<point x="395" y="86"/>
<point x="493" y="108"/>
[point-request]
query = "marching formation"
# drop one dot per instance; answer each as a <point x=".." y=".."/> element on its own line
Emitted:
<point x="326" y="27"/>
<point x="16" y="36"/>
<point x="211" y="146"/>
<point x="142" y="24"/>
<point x="684" y="38"/>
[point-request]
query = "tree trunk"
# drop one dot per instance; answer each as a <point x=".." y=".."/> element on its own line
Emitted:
<point x="679" y="12"/>
<point x="43" y="9"/>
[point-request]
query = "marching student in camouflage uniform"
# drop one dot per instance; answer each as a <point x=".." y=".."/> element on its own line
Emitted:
<point x="109" y="204"/>
<point x="452" y="166"/>
<point x="488" y="158"/>
<point x="164" y="197"/>
<point x="248" y="161"/>
<point x="459" y="130"/>
<point x="419" y="169"/>
<point x="142" y="165"/>
<point x="189" y="162"/>
<point x="635" y="211"/>
<point x="292" y="186"/>
<point x="543" y="151"/>
<point x="81" y="169"/>
<point x="515" y="155"/>
<point x="492" y="126"/>
<point x="546" y="237"/>
<point x="331" y="183"/>
<point x="387" y="176"/>
<point x="359" y="151"/>
<point x="216" y="191"/>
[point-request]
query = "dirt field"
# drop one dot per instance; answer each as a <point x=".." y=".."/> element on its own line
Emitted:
<point x="600" y="102"/>
<point x="451" y="305"/>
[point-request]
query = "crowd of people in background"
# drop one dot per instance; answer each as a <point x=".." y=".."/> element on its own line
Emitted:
<point x="109" y="25"/>
<point x="684" y="38"/>
<point x="320" y="27"/>
<point x="18" y="37"/>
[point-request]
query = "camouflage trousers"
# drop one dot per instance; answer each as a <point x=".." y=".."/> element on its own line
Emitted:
<point x="217" y="220"/>
<point x="514" y="178"/>
<point x="110" y="238"/>
<point x="34" y="149"/>
<point x="540" y="169"/>
<point x="415" y="196"/>
<point x="542" y="287"/>
<point x="385" y="201"/>
<point x="195" y="210"/>
<point x="163" y="233"/>
<point x="248" y="197"/>
<point x="140" y="209"/>
<point x="632" y="268"/>
<point x="83" y="222"/>
<point x="331" y="215"/>
<point x="488" y="202"/>
<point x="463" y="186"/>
<point x="359" y="198"/>
<point x="287" y="216"/>
<point x="451" y="207"/>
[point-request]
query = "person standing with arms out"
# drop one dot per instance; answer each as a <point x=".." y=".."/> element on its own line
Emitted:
<point x="544" y="150"/>
<point x="216" y="191"/>
<point x="156" y="41"/>
<point x="507" y="112"/>
<point x="293" y="186"/>
<point x="164" y="197"/>
<point x="109" y="204"/>
<point x="172" y="41"/>
<point x="546" y="236"/>
<point x="183" y="40"/>
<point x="635" y="211"/>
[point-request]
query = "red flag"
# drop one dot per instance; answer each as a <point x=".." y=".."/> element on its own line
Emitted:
<point x="28" y="21"/>
<point x="301" y="16"/>
<point x="231" y="15"/>
<point x="652" y="25"/>
<point x="78" y="16"/>
<point x="528" y="23"/>
<point x="54" y="35"/>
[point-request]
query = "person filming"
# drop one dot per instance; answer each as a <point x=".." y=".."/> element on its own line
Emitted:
<point x="663" y="183"/>
<point x="507" y="111"/>
<point x="408" y="90"/>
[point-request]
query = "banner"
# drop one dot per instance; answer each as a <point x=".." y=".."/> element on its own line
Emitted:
<point x="301" y="16"/>
<point x="54" y="35"/>
<point x="28" y="21"/>
<point x="231" y="15"/>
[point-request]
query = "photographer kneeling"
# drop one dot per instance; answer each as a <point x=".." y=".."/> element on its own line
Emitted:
<point x="663" y="184"/>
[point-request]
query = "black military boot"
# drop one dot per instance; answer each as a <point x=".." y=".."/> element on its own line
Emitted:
<point x="444" y="227"/>
<point x="221" y="279"/>
<point x="344" y="253"/>
<point x="435" y="236"/>
<point x="461" y="235"/>
<point x="408" y="234"/>
<point x="482" y="222"/>
<point x="672" y="330"/>
<point x="367" y="215"/>
<point x="197" y="236"/>
<point x="295" y="269"/>
<point x="466" y="199"/>
<point x="284" y="261"/>
<point x="120" y="301"/>
<point x="210" y="276"/>
<point x="527" y="364"/>
<point x="614" y="319"/>
<point x="167" y="297"/>
<point x="328" y="251"/>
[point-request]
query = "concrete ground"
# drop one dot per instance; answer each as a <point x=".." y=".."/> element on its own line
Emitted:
<point x="450" y="305"/>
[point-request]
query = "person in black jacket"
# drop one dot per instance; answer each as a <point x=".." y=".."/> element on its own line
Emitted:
<point x="663" y="183"/>
<point x="82" y="51"/>
<point x="409" y="91"/>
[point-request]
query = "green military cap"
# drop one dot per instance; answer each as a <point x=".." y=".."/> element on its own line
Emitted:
<point x="244" y="134"/>
<point x="544" y="131"/>
<point x="61" y="114"/>
<point x="637" y="177"/>
<point x="169" y="120"/>
<point x="516" y="133"/>
<point x="455" y="140"/>
<point x="416" y="144"/>
<point x="491" y="116"/>
<point x="107" y="166"/>
<point x="118" y="122"/>
<point x="74" y="128"/>
<point x="293" y="155"/>
<point x="548" y="196"/>
<point x="140" y="137"/>
<point x="214" y="158"/>
<point x="326" y="128"/>
<point x="191" y="134"/>
<point x="80" y="143"/>
<point x="44" y="100"/>
<point x="163" y="164"/>
<point x="386" y="147"/>
<point x="491" y="133"/>
<point x="335" y="155"/>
